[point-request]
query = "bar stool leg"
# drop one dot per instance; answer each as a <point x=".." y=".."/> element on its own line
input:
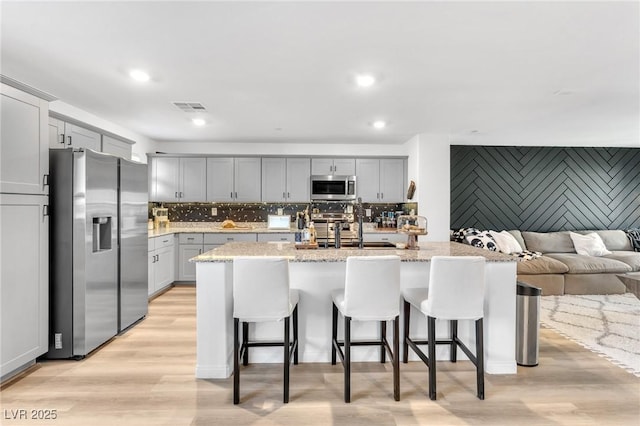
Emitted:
<point x="236" y="363"/>
<point x="396" y="358"/>
<point x="480" y="357"/>
<point x="334" y="333"/>
<point x="405" y="345"/>
<point x="453" y="352"/>
<point x="245" y="339"/>
<point x="347" y="359"/>
<point x="287" y="351"/>
<point x="295" y="335"/>
<point x="383" y="336"/>
<point x="431" y="331"/>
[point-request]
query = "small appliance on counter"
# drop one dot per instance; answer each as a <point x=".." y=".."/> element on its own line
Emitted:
<point x="278" y="221"/>
<point x="413" y="226"/>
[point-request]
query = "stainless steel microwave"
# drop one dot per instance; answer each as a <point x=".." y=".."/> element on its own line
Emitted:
<point x="333" y="187"/>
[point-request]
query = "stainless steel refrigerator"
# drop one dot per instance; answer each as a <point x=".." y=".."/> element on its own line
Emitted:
<point x="85" y="272"/>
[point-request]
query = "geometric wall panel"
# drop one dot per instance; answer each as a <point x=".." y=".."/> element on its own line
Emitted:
<point x="545" y="189"/>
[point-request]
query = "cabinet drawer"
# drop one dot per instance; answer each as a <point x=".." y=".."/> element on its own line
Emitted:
<point x="195" y="238"/>
<point x="164" y="241"/>
<point x="228" y="238"/>
<point x="384" y="237"/>
<point x="279" y="236"/>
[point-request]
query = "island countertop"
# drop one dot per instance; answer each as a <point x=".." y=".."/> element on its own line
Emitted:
<point x="427" y="250"/>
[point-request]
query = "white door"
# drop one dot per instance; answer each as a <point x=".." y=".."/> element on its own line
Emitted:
<point x="392" y="184"/>
<point x="187" y="270"/>
<point x="166" y="176"/>
<point x="247" y="175"/>
<point x="367" y="179"/>
<point x="274" y="179"/>
<point x="298" y="180"/>
<point x="79" y="137"/>
<point x="344" y="166"/>
<point x="220" y="179"/>
<point x="193" y="179"/>
<point x="116" y="147"/>
<point x="321" y="166"/>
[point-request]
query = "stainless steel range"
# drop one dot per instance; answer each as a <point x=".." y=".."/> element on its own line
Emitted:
<point x="331" y="225"/>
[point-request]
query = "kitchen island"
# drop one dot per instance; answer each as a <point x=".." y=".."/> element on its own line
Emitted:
<point x="315" y="273"/>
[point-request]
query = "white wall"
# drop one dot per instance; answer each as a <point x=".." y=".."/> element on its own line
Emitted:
<point x="142" y="144"/>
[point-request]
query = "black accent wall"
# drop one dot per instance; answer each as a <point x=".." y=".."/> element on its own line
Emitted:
<point x="545" y="188"/>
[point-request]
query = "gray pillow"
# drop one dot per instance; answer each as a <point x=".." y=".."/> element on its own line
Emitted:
<point x="549" y="242"/>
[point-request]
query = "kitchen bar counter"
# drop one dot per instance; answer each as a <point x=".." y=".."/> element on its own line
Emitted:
<point x="315" y="273"/>
<point x="216" y="227"/>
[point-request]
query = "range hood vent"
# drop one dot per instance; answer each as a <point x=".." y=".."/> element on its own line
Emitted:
<point x="189" y="106"/>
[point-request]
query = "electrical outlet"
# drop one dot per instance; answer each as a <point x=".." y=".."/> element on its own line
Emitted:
<point x="280" y="211"/>
<point x="57" y="338"/>
<point x="214" y="211"/>
<point x="367" y="212"/>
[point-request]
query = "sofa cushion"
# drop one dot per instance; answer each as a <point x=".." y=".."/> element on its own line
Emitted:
<point x="548" y="242"/>
<point x="518" y="236"/>
<point x="589" y="244"/>
<point x="631" y="258"/>
<point x="579" y="264"/>
<point x="482" y="240"/>
<point x="613" y="239"/>
<point x="541" y="265"/>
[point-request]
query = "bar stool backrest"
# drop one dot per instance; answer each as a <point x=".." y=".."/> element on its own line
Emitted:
<point x="456" y="287"/>
<point x="261" y="288"/>
<point x="372" y="287"/>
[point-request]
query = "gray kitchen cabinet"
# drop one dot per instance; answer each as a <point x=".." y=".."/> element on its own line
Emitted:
<point x="333" y="166"/>
<point x="383" y="237"/>
<point x="189" y="245"/>
<point x="24" y="154"/>
<point x="161" y="263"/>
<point x="380" y="180"/>
<point x="116" y="147"/>
<point x="68" y="135"/>
<point x="286" y="179"/>
<point x="233" y="179"/>
<point x="177" y="179"/>
<point x="277" y="236"/>
<point x="24" y="281"/>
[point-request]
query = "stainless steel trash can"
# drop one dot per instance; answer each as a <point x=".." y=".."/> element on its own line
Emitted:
<point x="527" y="324"/>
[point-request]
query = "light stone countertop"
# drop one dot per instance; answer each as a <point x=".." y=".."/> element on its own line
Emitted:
<point x="427" y="250"/>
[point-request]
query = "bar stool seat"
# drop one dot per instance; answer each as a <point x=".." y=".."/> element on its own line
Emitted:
<point x="261" y="292"/>
<point x="371" y="293"/>
<point x="456" y="292"/>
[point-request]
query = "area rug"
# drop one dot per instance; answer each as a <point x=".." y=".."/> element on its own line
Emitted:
<point x="606" y="324"/>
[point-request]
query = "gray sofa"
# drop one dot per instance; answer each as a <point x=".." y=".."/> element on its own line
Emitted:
<point x="560" y="270"/>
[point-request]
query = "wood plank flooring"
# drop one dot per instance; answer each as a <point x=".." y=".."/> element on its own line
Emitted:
<point x="146" y="377"/>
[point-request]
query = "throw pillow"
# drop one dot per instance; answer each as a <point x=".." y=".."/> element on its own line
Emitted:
<point x="589" y="245"/>
<point x="482" y="240"/>
<point x="460" y="235"/>
<point x="506" y="242"/>
<point x="527" y="255"/>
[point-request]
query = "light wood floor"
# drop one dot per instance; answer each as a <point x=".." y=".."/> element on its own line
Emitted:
<point x="146" y="377"/>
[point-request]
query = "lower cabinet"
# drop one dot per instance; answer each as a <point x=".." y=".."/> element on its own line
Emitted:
<point x="277" y="236"/>
<point x="161" y="263"/>
<point x="189" y="245"/>
<point x="382" y="237"/>
<point x="24" y="282"/>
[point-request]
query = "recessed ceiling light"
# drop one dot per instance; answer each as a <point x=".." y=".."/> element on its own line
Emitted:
<point x="139" y="75"/>
<point x="379" y="124"/>
<point x="365" y="80"/>
<point x="199" y="121"/>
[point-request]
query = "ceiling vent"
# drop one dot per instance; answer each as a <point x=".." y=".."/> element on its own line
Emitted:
<point x="190" y="106"/>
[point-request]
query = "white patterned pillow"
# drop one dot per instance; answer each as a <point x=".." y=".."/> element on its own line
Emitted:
<point x="527" y="255"/>
<point x="506" y="242"/>
<point x="482" y="240"/>
<point x="460" y="235"/>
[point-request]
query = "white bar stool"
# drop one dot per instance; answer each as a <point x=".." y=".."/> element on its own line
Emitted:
<point x="261" y="292"/>
<point x="371" y="293"/>
<point x="456" y="292"/>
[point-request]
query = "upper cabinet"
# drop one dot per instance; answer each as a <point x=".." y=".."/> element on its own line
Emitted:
<point x="116" y="147"/>
<point x="67" y="135"/>
<point x="380" y="180"/>
<point x="177" y="179"/>
<point x="24" y="151"/>
<point x="233" y="179"/>
<point x="286" y="180"/>
<point x="333" y="166"/>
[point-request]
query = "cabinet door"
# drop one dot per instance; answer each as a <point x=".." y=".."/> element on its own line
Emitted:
<point x="321" y="166"/>
<point x="368" y="178"/>
<point x="344" y="166"/>
<point x="24" y="280"/>
<point x="79" y="137"/>
<point x="151" y="269"/>
<point x="116" y="147"/>
<point x="298" y="180"/>
<point x="274" y="179"/>
<point x="164" y="267"/>
<point x="220" y="179"/>
<point x="56" y="133"/>
<point x="193" y="179"/>
<point x="247" y="174"/>
<point x="24" y="142"/>
<point x="165" y="177"/>
<point x="186" y="269"/>
<point x="392" y="184"/>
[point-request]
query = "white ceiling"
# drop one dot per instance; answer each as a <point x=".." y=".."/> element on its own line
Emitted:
<point x="496" y="72"/>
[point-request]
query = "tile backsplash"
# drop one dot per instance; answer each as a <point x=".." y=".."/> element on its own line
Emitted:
<point x="258" y="212"/>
